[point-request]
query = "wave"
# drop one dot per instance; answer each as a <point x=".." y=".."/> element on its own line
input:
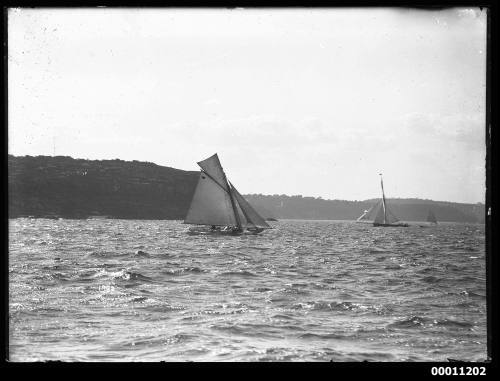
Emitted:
<point x="324" y="336"/>
<point x="153" y="341"/>
<point x="120" y="276"/>
<point x="376" y="251"/>
<point x="262" y="289"/>
<point x="411" y="322"/>
<point x="431" y="279"/>
<point x="106" y="254"/>
<point x="243" y="273"/>
<point x="420" y="321"/>
<point x="61" y="277"/>
<point x="282" y="317"/>
<point x="164" y="308"/>
<point x="183" y="271"/>
<point x="258" y="248"/>
<point x="135" y="276"/>
<point x="393" y="267"/>
<point x="140" y="299"/>
<point x="230" y="311"/>
<point x="473" y="295"/>
<point x="454" y="323"/>
<point x="329" y="306"/>
<point x="253" y="330"/>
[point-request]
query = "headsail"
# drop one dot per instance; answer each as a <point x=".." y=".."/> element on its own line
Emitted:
<point x="251" y="216"/>
<point x="369" y="215"/>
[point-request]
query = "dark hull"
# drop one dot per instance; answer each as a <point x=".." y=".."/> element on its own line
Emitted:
<point x="430" y="225"/>
<point x="402" y="225"/>
<point x="201" y="230"/>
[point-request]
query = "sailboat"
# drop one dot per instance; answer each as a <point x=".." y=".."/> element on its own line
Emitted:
<point x="217" y="203"/>
<point x="431" y="218"/>
<point x="379" y="214"/>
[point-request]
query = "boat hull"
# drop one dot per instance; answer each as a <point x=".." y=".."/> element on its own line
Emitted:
<point x="222" y="232"/>
<point x="403" y="225"/>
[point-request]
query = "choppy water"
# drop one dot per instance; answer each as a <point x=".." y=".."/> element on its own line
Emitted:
<point x="119" y="290"/>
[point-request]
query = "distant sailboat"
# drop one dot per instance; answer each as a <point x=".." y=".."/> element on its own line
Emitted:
<point x="218" y="204"/>
<point x="431" y="218"/>
<point x="379" y="214"/>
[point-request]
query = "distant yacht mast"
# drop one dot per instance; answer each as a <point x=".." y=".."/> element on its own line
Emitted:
<point x="383" y="198"/>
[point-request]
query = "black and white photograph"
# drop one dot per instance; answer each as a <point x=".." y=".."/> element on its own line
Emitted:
<point x="190" y="184"/>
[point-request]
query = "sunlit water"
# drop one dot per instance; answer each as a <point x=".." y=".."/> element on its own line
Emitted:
<point x="121" y="290"/>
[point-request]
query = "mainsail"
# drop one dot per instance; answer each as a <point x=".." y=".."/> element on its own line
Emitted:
<point x="213" y="168"/>
<point x="215" y="202"/>
<point x="385" y="216"/>
<point x="211" y="204"/>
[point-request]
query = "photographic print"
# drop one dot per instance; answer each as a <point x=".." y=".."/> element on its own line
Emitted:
<point x="247" y="184"/>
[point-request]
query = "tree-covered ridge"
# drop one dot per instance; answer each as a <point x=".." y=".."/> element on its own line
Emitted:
<point x="76" y="188"/>
<point x="60" y="186"/>
<point x="299" y="207"/>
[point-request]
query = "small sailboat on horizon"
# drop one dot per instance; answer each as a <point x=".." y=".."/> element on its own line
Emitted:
<point x="217" y="203"/>
<point x="431" y="218"/>
<point x="379" y="214"/>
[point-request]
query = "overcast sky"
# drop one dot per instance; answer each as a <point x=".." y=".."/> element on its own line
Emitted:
<point x="295" y="101"/>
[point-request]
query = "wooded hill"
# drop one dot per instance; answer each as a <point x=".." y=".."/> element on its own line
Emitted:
<point x="298" y="207"/>
<point x="60" y="186"/>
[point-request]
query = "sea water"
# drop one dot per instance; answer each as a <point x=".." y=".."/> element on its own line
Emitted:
<point x="128" y="290"/>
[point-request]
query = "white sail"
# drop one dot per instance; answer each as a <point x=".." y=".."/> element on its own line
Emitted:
<point x="369" y="215"/>
<point x="243" y="220"/>
<point x="215" y="202"/>
<point x="363" y="216"/>
<point x="211" y="204"/>
<point x="251" y="216"/>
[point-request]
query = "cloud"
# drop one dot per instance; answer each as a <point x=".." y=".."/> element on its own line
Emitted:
<point x="467" y="129"/>
<point x="262" y="130"/>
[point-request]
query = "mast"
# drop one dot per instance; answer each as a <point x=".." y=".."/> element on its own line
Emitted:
<point x="383" y="198"/>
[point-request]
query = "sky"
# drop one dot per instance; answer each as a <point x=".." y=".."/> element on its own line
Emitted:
<point x="315" y="102"/>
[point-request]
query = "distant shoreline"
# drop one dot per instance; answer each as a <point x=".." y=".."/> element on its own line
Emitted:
<point x="62" y="187"/>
